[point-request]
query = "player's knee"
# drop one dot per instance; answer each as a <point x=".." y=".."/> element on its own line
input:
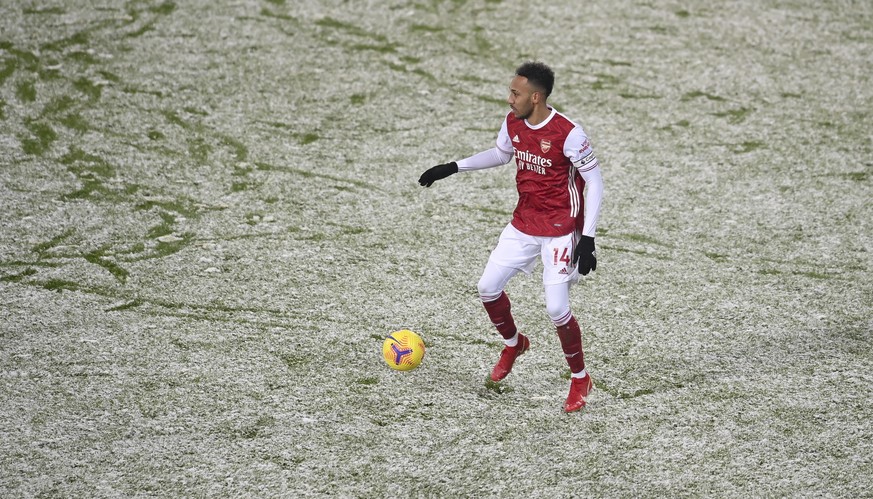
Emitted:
<point x="559" y="313"/>
<point x="488" y="290"/>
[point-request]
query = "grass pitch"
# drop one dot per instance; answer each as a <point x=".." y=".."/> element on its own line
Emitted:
<point x="210" y="220"/>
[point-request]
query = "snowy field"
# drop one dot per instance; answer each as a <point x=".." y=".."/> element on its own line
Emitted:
<point x="210" y="220"/>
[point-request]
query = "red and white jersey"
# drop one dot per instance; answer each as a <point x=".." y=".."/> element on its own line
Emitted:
<point x="549" y="157"/>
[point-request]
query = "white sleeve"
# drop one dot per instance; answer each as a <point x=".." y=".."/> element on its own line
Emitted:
<point x="593" y="199"/>
<point x="496" y="156"/>
<point x="485" y="159"/>
<point x="578" y="149"/>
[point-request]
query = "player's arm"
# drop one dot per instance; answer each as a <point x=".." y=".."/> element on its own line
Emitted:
<point x="593" y="199"/>
<point x="578" y="149"/>
<point x="485" y="159"/>
<point x="496" y="156"/>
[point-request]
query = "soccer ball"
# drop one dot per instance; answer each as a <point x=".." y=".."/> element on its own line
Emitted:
<point x="403" y="350"/>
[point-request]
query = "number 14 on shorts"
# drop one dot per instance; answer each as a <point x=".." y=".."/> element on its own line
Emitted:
<point x="563" y="258"/>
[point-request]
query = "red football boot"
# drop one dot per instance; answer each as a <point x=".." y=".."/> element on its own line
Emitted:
<point x="508" y="356"/>
<point x="579" y="390"/>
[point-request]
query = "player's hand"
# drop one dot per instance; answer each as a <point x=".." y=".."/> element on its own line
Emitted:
<point x="585" y="255"/>
<point x="437" y="172"/>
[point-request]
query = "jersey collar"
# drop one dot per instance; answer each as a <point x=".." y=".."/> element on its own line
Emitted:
<point x="544" y="122"/>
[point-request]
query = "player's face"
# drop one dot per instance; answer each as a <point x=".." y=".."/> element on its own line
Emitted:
<point x="520" y="98"/>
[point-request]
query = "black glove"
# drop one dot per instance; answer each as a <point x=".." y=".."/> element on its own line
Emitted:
<point x="585" y="255"/>
<point x="437" y="172"/>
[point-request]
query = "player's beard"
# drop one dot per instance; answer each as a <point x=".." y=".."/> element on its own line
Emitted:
<point x="520" y="115"/>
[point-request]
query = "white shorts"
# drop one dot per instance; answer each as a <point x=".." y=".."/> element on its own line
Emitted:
<point x="517" y="250"/>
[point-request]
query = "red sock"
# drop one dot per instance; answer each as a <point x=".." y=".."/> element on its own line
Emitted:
<point x="500" y="315"/>
<point x="571" y="343"/>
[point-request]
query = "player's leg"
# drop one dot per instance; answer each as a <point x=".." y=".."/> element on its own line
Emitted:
<point x="499" y="309"/>
<point x="496" y="302"/>
<point x="569" y="332"/>
<point x="557" y="280"/>
<point x="515" y="252"/>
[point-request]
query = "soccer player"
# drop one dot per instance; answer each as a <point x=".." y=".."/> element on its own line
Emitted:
<point x="553" y="220"/>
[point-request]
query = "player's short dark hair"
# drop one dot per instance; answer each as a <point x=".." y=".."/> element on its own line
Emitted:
<point x="538" y="75"/>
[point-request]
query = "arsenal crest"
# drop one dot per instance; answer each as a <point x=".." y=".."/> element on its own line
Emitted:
<point x="545" y="145"/>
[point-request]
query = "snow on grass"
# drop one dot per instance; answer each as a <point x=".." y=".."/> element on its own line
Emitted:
<point x="211" y="221"/>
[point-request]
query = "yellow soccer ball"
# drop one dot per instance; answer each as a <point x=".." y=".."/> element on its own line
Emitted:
<point x="403" y="350"/>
